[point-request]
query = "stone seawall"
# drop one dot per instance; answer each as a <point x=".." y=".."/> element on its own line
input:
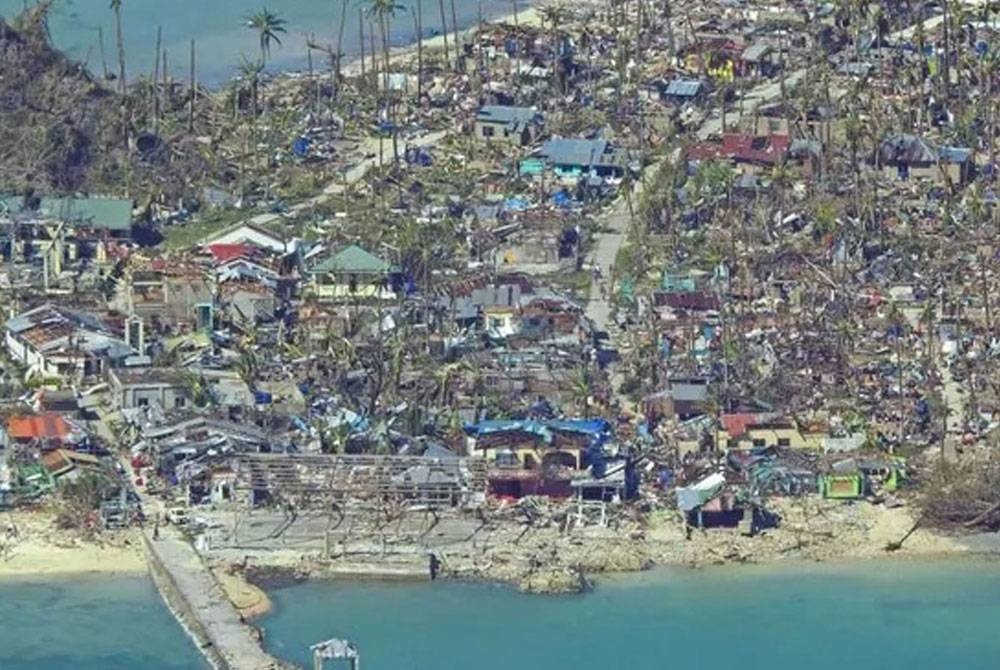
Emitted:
<point x="200" y="605"/>
<point x="182" y="611"/>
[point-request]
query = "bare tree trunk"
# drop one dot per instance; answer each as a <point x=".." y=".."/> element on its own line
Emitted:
<point x="361" y="33"/>
<point x="156" y="78"/>
<point x="444" y="30"/>
<point x="121" y="50"/>
<point x="100" y="45"/>
<point x="454" y="26"/>
<point x="418" y="25"/>
<point x="340" y="45"/>
<point x="192" y="93"/>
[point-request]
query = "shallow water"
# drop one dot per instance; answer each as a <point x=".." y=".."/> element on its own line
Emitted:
<point x="870" y="615"/>
<point x="90" y="623"/>
<point x="220" y="32"/>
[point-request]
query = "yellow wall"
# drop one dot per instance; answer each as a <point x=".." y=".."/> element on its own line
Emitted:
<point x="362" y="290"/>
<point x="536" y="453"/>
<point x="770" y="436"/>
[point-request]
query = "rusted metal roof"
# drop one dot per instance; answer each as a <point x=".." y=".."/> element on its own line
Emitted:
<point x="48" y="426"/>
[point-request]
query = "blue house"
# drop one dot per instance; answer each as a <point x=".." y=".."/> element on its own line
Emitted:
<point x="571" y="157"/>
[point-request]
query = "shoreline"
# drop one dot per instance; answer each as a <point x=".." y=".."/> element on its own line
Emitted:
<point x="548" y="561"/>
<point x="37" y="549"/>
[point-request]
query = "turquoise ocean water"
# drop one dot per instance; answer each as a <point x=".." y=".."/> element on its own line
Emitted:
<point x="879" y="616"/>
<point x="220" y="33"/>
<point x="90" y="623"/>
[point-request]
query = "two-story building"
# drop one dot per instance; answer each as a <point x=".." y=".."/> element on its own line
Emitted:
<point x="519" y="126"/>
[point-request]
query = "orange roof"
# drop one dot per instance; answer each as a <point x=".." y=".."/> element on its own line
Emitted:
<point x="46" y="426"/>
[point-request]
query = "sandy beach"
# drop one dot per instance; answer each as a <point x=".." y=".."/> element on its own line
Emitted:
<point x="525" y="17"/>
<point x="250" y="600"/>
<point x="38" y="549"/>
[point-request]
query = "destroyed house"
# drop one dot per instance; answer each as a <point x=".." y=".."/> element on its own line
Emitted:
<point x="173" y="295"/>
<point x="165" y="388"/>
<point x="756" y="431"/>
<point x="537" y="457"/>
<point x="697" y="301"/>
<point x="190" y="436"/>
<point x="680" y="91"/>
<point x="52" y="341"/>
<point x="683" y="399"/>
<point x="43" y="430"/>
<point x="252" y="235"/>
<point x="66" y="465"/>
<point x="520" y="126"/>
<point x="748" y="152"/>
<point x="104" y="216"/>
<point x="911" y="157"/>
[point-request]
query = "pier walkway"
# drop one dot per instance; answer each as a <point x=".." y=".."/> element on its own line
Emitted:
<point x="197" y="600"/>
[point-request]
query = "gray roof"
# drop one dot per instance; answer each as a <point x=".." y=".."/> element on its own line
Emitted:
<point x="102" y="213"/>
<point x="508" y="115"/>
<point x="578" y="152"/>
<point x="353" y="259"/>
<point x="684" y="88"/>
<point x="689" y="392"/>
<point x="755" y="52"/>
<point x="910" y="149"/>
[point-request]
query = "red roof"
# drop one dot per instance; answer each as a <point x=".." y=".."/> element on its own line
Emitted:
<point x="227" y="252"/>
<point x="766" y="149"/>
<point x="48" y="426"/>
<point x="737" y="424"/>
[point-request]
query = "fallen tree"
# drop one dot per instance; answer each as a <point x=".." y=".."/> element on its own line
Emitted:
<point x="964" y="494"/>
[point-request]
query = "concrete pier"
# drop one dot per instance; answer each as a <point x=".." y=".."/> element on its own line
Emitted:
<point x="197" y="600"/>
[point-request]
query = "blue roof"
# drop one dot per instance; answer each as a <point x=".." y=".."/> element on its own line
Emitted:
<point x="589" y="426"/>
<point x="544" y="429"/>
<point x="683" y="88"/>
<point x="954" y="154"/>
<point x="565" y="151"/>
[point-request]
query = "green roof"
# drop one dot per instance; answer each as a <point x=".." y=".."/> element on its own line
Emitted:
<point x="352" y="259"/>
<point x="102" y="213"/>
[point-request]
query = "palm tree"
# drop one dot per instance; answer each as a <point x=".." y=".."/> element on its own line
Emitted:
<point x="268" y="26"/>
<point x="340" y="41"/>
<point x="249" y="72"/>
<point x="554" y="15"/>
<point x="382" y="12"/>
<point x="116" y="6"/>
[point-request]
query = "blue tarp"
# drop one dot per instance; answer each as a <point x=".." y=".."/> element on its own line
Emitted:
<point x="300" y="147"/>
<point x="593" y="427"/>
<point x="515" y="204"/>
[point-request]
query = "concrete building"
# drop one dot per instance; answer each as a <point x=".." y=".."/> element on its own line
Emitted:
<point x="53" y="341"/>
<point x="352" y="273"/>
<point x="147" y="387"/>
<point x="520" y="126"/>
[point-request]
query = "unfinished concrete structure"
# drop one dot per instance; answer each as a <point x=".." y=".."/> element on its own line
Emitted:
<point x="335" y="649"/>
